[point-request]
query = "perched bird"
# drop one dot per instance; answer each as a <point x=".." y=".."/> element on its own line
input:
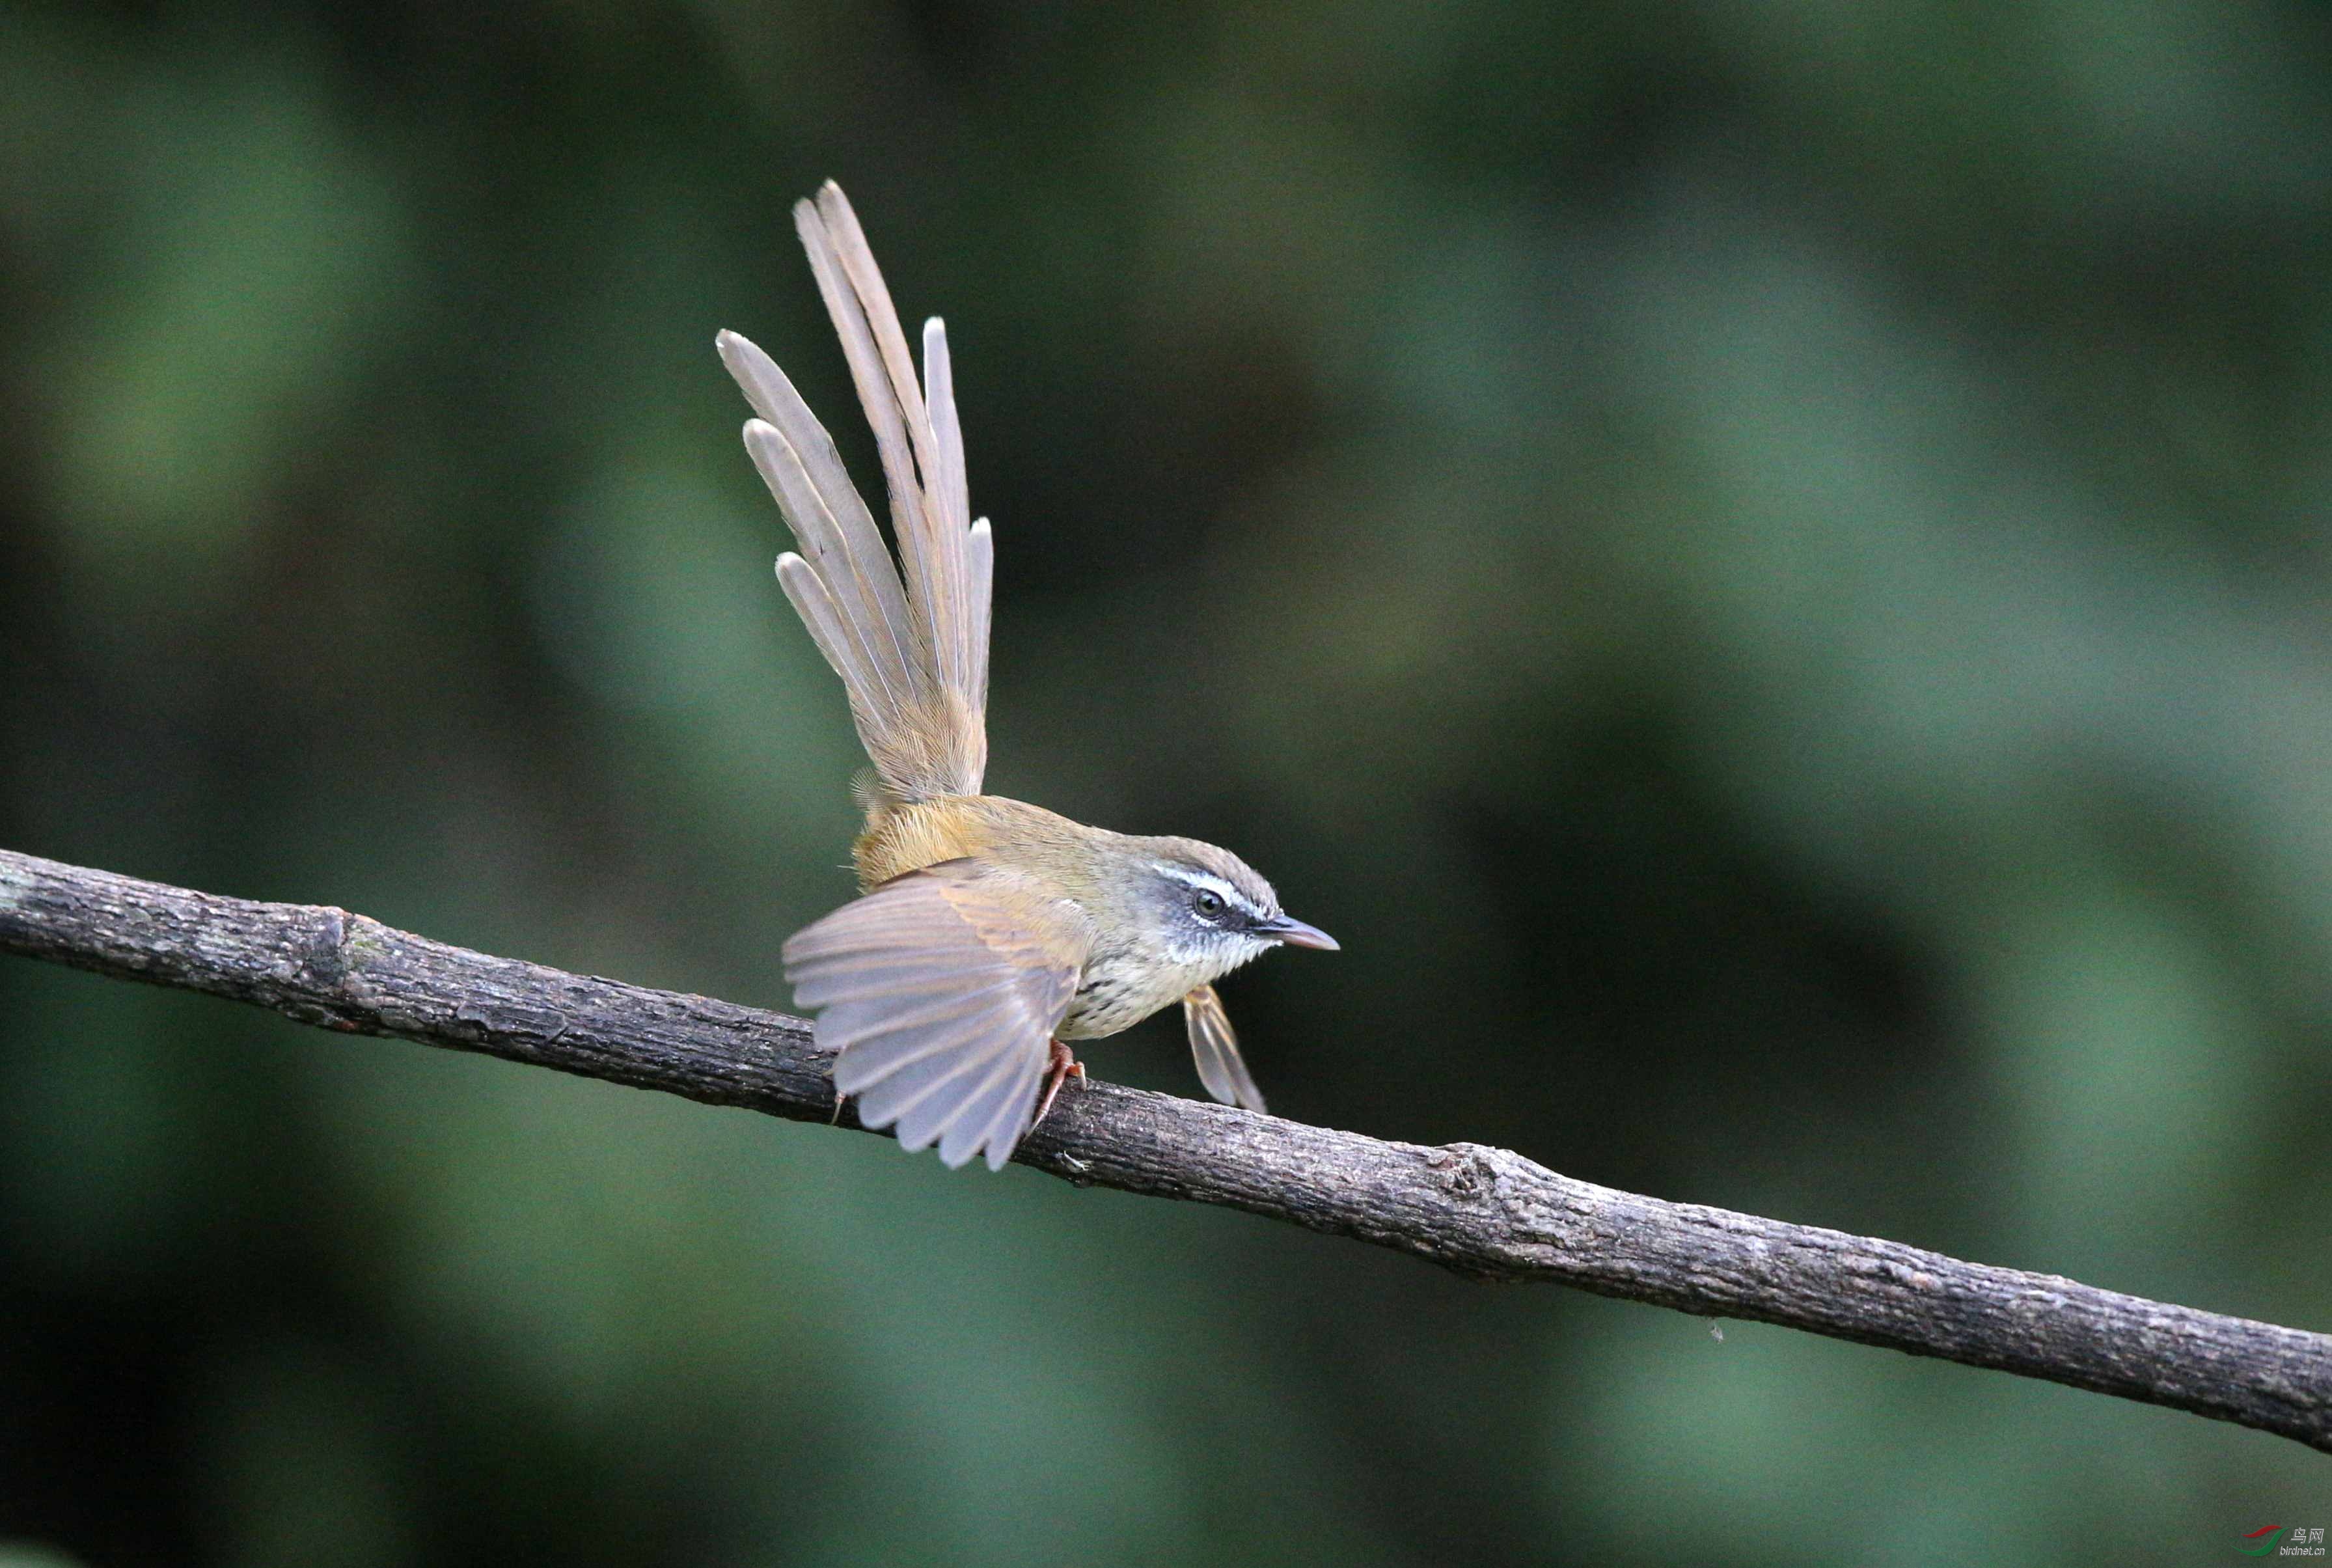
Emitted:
<point x="990" y="931"/>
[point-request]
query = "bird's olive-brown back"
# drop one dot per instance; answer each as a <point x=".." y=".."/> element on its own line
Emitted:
<point x="909" y="835"/>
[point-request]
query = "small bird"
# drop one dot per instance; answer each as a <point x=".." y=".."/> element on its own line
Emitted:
<point x="990" y="931"/>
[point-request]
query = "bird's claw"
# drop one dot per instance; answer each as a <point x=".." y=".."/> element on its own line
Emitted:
<point x="1063" y="1067"/>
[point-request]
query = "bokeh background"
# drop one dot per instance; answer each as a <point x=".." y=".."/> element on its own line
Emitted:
<point x="1764" y="567"/>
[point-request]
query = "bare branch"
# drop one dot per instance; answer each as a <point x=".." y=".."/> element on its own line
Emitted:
<point x="1484" y="1212"/>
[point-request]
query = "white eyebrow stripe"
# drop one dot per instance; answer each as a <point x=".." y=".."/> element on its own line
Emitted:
<point x="1212" y="883"/>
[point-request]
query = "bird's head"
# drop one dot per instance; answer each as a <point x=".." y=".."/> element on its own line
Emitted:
<point x="1206" y="910"/>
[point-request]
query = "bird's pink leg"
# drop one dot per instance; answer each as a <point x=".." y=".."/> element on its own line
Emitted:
<point x="1064" y="1065"/>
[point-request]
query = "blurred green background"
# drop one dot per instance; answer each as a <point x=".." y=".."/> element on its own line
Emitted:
<point x="1764" y="567"/>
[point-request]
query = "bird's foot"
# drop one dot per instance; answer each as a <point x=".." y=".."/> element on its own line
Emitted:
<point x="840" y="1100"/>
<point x="1063" y="1067"/>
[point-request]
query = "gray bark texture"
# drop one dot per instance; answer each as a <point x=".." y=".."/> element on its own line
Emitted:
<point x="1484" y="1212"/>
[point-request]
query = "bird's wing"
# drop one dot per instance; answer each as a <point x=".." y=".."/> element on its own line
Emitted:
<point x="1215" y="1048"/>
<point x="941" y="1003"/>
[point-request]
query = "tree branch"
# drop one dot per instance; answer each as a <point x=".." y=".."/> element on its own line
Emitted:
<point x="1482" y="1211"/>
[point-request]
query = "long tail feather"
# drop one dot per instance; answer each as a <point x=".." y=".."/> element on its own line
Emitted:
<point x="931" y="507"/>
<point x="950" y="500"/>
<point x="797" y="459"/>
<point x="880" y="630"/>
<point x="913" y="655"/>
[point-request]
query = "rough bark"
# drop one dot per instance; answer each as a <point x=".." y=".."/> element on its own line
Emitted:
<point x="1482" y="1211"/>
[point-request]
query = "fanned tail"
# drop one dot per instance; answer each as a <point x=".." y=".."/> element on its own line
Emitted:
<point x="914" y="657"/>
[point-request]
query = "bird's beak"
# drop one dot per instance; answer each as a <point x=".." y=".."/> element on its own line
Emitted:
<point x="1296" y="933"/>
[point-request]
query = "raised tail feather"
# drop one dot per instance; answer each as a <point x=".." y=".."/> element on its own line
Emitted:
<point x="912" y="657"/>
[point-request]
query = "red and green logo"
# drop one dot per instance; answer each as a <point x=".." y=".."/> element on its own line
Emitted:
<point x="2268" y="1539"/>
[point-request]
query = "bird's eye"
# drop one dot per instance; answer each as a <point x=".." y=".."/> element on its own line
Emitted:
<point x="1208" y="904"/>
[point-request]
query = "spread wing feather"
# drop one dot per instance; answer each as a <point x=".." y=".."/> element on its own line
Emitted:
<point x="941" y="1012"/>
<point x="1215" y="1048"/>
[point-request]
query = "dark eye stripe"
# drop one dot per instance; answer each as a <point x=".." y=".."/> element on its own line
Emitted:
<point x="1213" y="901"/>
